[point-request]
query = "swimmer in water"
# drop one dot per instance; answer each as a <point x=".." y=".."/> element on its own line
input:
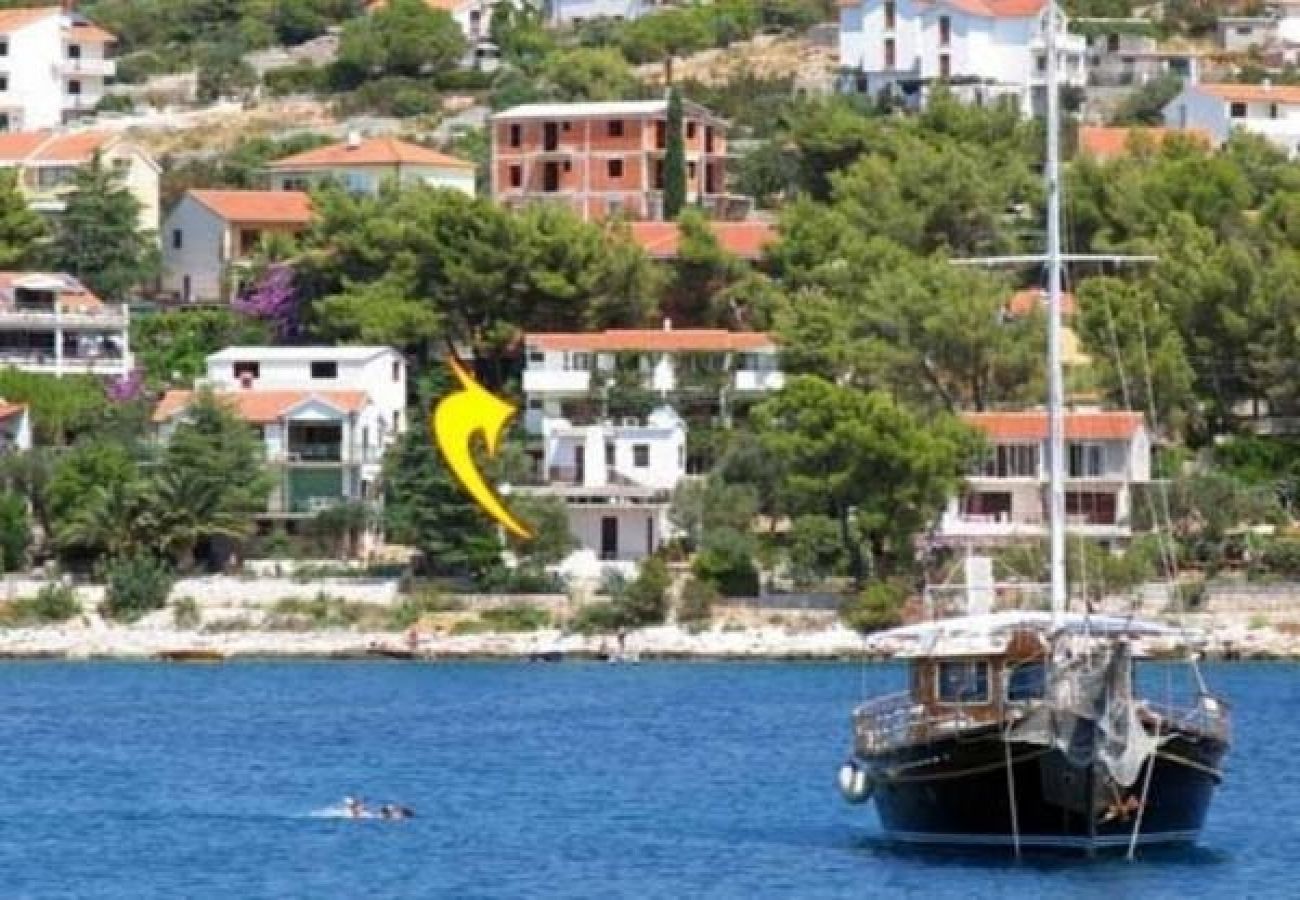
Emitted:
<point x="354" y="808"/>
<point x="393" y="811"/>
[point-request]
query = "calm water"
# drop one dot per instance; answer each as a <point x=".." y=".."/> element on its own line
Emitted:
<point x="128" y="781"/>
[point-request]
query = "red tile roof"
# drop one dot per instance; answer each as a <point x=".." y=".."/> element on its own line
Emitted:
<point x="48" y="146"/>
<point x="92" y="33"/>
<point x="1250" y="93"/>
<point x="1024" y="302"/>
<point x="9" y="410"/>
<point x="73" y="295"/>
<point x="701" y="340"/>
<point x="262" y="407"/>
<point x="282" y="207"/>
<point x="747" y="240"/>
<point x="17" y="146"/>
<point x="999" y="9"/>
<point x="383" y="151"/>
<point x="13" y="19"/>
<point x="1108" y="142"/>
<point x="1032" y="425"/>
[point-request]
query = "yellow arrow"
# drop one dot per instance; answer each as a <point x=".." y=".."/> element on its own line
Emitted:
<point x="455" y="421"/>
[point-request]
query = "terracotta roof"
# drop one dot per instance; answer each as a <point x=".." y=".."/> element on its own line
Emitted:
<point x="1250" y="93"/>
<point x="9" y="410"/>
<point x="1024" y="302"/>
<point x="1032" y="425"/>
<point x="48" y="146"/>
<point x="288" y="207"/>
<point x="89" y="31"/>
<point x="1109" y="142"/>
<point x="73" y="295"/>
<point x="999" y="9"/>
<point x="705" y="340"/>
<point x="13" y="19"/>
<point x="744" y="239"/>
<point x="384" y="151"/>
<point x="262" y="407"/>
<point x="17" y="146"/>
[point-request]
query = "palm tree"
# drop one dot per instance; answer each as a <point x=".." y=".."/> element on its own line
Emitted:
<point x="182" y="509"/>
<point x="112" y="521"/>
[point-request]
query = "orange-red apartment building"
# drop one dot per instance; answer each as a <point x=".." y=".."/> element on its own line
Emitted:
<point x="607" y="159"/>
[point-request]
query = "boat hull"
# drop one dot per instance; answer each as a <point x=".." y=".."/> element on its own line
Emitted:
<point x="957" y="791"/>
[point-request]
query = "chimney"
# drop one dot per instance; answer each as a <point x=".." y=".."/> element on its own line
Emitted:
<point x="354" y="139"/>
<point x="668" y="324"/>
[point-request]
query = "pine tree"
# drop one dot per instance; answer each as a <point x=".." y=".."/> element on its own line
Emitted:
<point x="21" y="229"/>
<point x="674" y="159"/>
<point x="98" y="237"/>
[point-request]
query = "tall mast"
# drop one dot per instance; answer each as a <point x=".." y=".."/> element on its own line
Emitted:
<point x="1055" y="379"/>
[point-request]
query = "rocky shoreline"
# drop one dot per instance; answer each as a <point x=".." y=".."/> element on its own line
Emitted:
<point x="668" y="642"/>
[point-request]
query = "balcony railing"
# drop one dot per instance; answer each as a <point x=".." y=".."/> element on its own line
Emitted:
<point x="107" y="317"/>
<point x="83" y="68"/>
<point x="555" y="380"/>
<point x="326" y="454"/>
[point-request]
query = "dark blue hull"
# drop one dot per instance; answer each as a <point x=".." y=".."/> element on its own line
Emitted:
<point x="958" y="791"/>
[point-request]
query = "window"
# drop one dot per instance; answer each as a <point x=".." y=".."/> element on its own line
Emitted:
<point x="579" y="362"/>
<point x="567" y="126"/>
<point x="963" y="682"/>
<point x="1273" y="111"/>
<point x="615" y="167"/>
<point x="74" y="51"/>
<point x="1011" y="461"/>
<point x="397" y="370"/>
<point x="1237" y="111"/>
<point x="1027" y="681"/>
<point x="690" y="130"/>
<point x="516" y="135"/>
<point x="4" y="47"/>
<point x="1244" y="30"/>
<point x="74" y="88"/>
<point x="661" y="134"/>
<point x="609" y="454"/>
<point x="690" y="170"/>
<point x="516" y="176"/>
<point x="1040" y="63"/>
<point x="1112" y="43"/>
<point x="889" y="53"/>
<point x="889" y="15"/>
<point x="536" y="357"/>
<point x="945" y="65"/>
<point x="324" y="370"/>
<point x="4" y="83"/>
<point x="178" y="239"/>
<point x="657" y="175"/>
<point x="641" y="456"/>
<point x="1086" y="460"/>
<point x="945" y="31"/>
<point x="614" y="128"/>
<point x="247" y="370"/>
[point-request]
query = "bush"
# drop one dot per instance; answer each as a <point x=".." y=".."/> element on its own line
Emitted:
<point x="879" y="606"/>
<point x="136" y="585"/>
<point x="415" y="607"/>
<point x="516" y="617"/>
<point x="645" y="599"/>
<point x="53" y="603"/>
<point x="696" y="606"/>
<point x="185" y="613"/>
<point x="321" y="611"/>
<point x="726" y="563"/>
<point x="15" y="531"/>
<point x="598" y="618"/>
<point x="302" y="78"/>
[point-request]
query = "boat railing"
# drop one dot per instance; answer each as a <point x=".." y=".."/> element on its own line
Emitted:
<point x="899" y="719"/>
<point x="1210" y="716"/>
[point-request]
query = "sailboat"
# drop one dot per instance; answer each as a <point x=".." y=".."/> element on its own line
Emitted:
<point x="1025" y="729"/>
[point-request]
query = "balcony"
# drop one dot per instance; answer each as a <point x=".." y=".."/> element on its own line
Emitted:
<point x="975" y="527"/>
<point x="107" y="318"/>
<point x="81" y="102"/>
<point x="46" y="363"/>
<point x="556" y="381"/>
<point x="753" y="381"/>
<point x="86" y="68"/>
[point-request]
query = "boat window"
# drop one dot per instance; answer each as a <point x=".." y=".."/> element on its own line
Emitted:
<point x="1026" y="681"/>
<point x="963" y="682"/>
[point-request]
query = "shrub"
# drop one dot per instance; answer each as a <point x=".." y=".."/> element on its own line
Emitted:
<point x="185" y="613"/>
<point x="696" y="606"/>
<point x="879" y="606"/>
<point x="301" y="78"/>
<point x="321" y="611"/>
<point x="598" y="618"/>
<point x="1279" y="557"/>
<point x="136" y="585"/>
<point x="415" y="607"/>
<point x="53" y="603"/>
<point x="516" y="617"/>
<point x="645" y="599"/>
<point x="15" y="531"/>
<point x="726" y="563"/>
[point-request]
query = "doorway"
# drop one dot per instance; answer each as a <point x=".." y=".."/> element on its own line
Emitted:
<point x="608" y="537"/>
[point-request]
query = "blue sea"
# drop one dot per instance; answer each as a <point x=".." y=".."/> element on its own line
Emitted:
<point x="568" y="780"/>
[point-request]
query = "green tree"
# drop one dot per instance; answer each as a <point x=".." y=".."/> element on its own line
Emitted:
<point x="725" y="561"/>
<point x="1145" y="105"/>
<point x="21" y="229"/>
<point x="223" y="72"/>
<point x="98" y="237"/>
<point x="213" y="450"/>
<point x="76" y="474"/>
<point x="183" y="507"/>
<point x="881" y="472"/>
<point x="108" y="521"/>
<point x="61" y="408"/>
<point x="15" y="531"/>
<point x="552" y="540"/>
<point x="664" y="36"/>
<point x="589" y="74"/>
<point x="136" y="584"/>
<point x="675" y="158"/>
<point x="405" y="37"/>
<point x="816" y="550"/>
<point x="701" y="273"/>
<point x="173" y="346"/>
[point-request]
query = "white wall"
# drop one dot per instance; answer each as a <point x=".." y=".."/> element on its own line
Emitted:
<point x="641" y="529"/>
<point x="201" y="255"/>
<point x="369" y="179"/>
<point x="664" y="439"/>
<point x="1195" y="109"/>
<point x="34" y="84"/>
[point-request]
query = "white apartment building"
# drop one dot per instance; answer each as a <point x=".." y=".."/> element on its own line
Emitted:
<point x="326" y="416"/>
<point x="616" y="473"/>
<point x="364" y="165"/>
<point x="982" y="49"/>
<point x="568" y="375"/>
<point x="575" y="12"/>
<point x="47" y="163"/>
<point x="53" y="65"/>
<point x="210" y="237"/>
<point x="51" y="324"/>
<point x="1005" y="498"/>
<point x="1217" y="109"/>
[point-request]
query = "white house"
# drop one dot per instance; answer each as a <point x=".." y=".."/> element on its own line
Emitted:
<point x="1218" y="108"/>
<point x="575" y="12"/>
<point x="210" y="236"/>
<point x="51" y="324"/>
<point x="982" y="49"/>
<point x="15" y="427"/>
<point x="362" y="166"/>
<point x="47" y="162"/>
<point x="326" y="416"/>
<point x="1005" y="498"/>
<point x="53" y="64"/>
<point x="569" y="374"/>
